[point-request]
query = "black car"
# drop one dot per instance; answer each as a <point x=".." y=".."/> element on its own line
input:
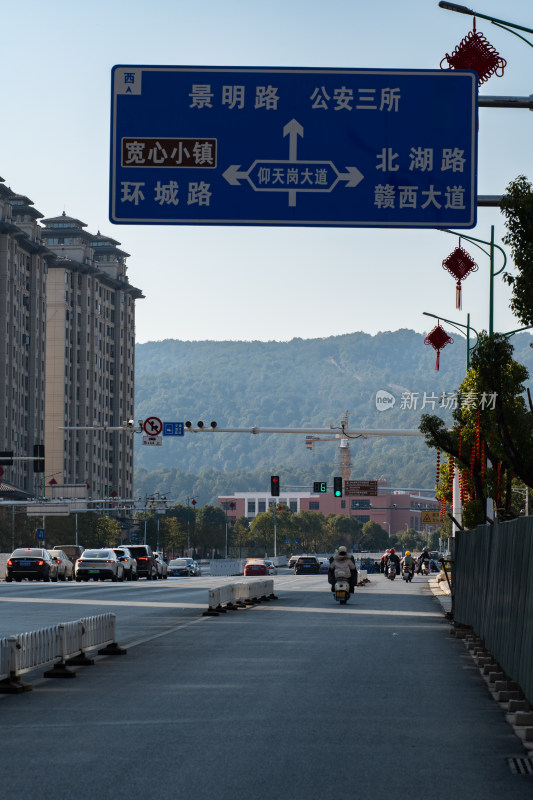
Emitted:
<point x="307" y="565"/>
<point x="146" y="563"/>
<point x="33" y="563"/>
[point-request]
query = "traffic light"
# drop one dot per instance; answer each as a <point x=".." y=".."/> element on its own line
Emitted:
<point x="337" y="486"/>
<point x="6" y="458"/>
<point x="320" y="487"/>
<point x="274" y="485"/>
<point x="38" y="457"/>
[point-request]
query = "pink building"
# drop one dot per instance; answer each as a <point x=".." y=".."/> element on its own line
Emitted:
<point x="393" y="509"/>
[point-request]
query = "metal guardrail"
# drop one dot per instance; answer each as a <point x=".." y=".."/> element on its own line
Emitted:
<point x="64" y="643"/>
<point x="494" y="593"/>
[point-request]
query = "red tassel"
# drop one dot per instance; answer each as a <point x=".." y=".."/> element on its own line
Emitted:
<point x="458" y="303"/>
<point x="438" y="360"/>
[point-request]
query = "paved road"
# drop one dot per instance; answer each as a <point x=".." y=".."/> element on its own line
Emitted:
<point x="296" y="699"/>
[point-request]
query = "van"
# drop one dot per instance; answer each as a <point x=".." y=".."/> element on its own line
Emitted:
<point x="72" y="551"/>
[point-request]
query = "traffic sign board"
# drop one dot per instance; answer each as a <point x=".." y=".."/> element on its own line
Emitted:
<point x="430" y="517"/>
<point x="152" y="440"/>
<point x="360" y="488"/>
<point x="40" y="533"/>
<point x="173" y="428"/>
<point x="287" y="146"/>
<point x="153" y="426"/>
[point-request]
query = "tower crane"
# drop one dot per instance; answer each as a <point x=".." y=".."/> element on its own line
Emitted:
<point x="345" y="462"/>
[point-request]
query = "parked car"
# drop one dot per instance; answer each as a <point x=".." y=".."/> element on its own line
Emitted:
<point x="292" y="561"/>
<point x="33" y="563"/>
<point x="129" y="563"/>
<point x="161" y="565"/>
<point x="271" y="567"/>
<point x="144" y="556"/>
<point x="180" y="567"/>
<point x="255" y="566"/>
<point x="72" y="551"/>
<point x="99" y="564"/>
<point x="65" y="567"/>
<point x="307" y="565"/>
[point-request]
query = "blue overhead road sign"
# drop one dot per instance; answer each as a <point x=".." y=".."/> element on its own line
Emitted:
<point x="276" y="146"/>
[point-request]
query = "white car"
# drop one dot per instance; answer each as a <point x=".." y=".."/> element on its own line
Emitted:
<point x="99" y="565"/>
<point x="271" y="567"/>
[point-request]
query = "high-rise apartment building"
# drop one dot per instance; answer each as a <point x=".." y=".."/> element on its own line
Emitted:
<point x="90" y="360"/>
<point x="67" y="352"/>
<point x="23" y="273"/>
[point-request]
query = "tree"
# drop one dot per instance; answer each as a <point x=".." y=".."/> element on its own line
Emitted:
<point x="312" y="531"/>
<point x="241" y="532"/>
<point x="210" y="528"/>
<point x="517" y="206"/>
<point x="373" y="537"/>
<point x="345" y="530"/>
<point x="411" y="539"/>
<point x="496" y="426"/>
<point x="105" y="532"/>
<point x="262" y="531"/>
<point x="174" y="533"/>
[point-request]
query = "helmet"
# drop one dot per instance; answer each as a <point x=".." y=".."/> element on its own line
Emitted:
<point x="392" y="550"/>
<point x="387" y="551"/>
<point x="407" y="552"/>
<point x="342" y="551"/>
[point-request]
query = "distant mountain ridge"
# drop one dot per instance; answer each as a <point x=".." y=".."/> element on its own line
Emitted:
<point x="300" y="383"/>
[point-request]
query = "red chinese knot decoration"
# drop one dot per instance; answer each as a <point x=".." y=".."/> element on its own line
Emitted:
<point x="438" y="339"/>
<point x="475" y="52"/>
<point x="459" y="264"/>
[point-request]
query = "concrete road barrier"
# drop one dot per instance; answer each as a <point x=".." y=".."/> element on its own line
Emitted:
<point x="232" y="596"/>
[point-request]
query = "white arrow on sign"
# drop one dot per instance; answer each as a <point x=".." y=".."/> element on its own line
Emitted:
<point x="293" y="129"/>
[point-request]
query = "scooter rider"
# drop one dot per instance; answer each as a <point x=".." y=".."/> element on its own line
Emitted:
<point x="424" y="556"/>
<point x="392" y="558"/>
<point x="408" y="563"/>
<point x="382" y="563"/>
<point x="342" y="566"/>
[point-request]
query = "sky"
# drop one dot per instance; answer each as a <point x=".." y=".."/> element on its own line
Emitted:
<point x="254" y="283"/>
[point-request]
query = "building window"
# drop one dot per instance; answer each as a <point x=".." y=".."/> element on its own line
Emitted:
<point x="314" y="505"/>
<point x="251" y="506"/>
<point x="261" y="506"/>
<point x="293" y="505"/>
<point x="360" y="504"/>
<point x="362" y="517"/>
<point x="343" y="503"/>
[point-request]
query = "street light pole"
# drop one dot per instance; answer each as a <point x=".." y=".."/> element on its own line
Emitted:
<point x="500" y="23"/>
<point x="193" y="499"/>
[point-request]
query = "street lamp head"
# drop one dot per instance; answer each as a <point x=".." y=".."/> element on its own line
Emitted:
<point x="455" y="7"/>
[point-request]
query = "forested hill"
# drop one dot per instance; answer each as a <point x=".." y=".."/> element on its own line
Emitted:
<point x="300" y="383"/>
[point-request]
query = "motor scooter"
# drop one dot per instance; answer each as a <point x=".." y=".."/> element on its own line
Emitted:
<point x="391" y="571"/>
<point x="408" y="574"/>
<point x="342" y="590"/>
<point x="425" y="567"/>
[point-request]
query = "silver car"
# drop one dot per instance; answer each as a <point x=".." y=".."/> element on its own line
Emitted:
<point x="129" y="563"/>
<point x="162" y="566"/>
<point x="99" y="565"/>
<point x="65" y="567"/>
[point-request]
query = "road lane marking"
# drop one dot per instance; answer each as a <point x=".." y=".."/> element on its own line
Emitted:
<point x="98" y="602"/>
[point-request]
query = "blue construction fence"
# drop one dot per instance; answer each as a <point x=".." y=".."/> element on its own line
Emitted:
<point x="494" y="593"/>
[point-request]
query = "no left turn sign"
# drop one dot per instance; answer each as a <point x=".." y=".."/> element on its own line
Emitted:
<point x="153" y="426"/>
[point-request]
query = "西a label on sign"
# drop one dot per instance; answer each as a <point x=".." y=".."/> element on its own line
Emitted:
<point x="274" y="146"/>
